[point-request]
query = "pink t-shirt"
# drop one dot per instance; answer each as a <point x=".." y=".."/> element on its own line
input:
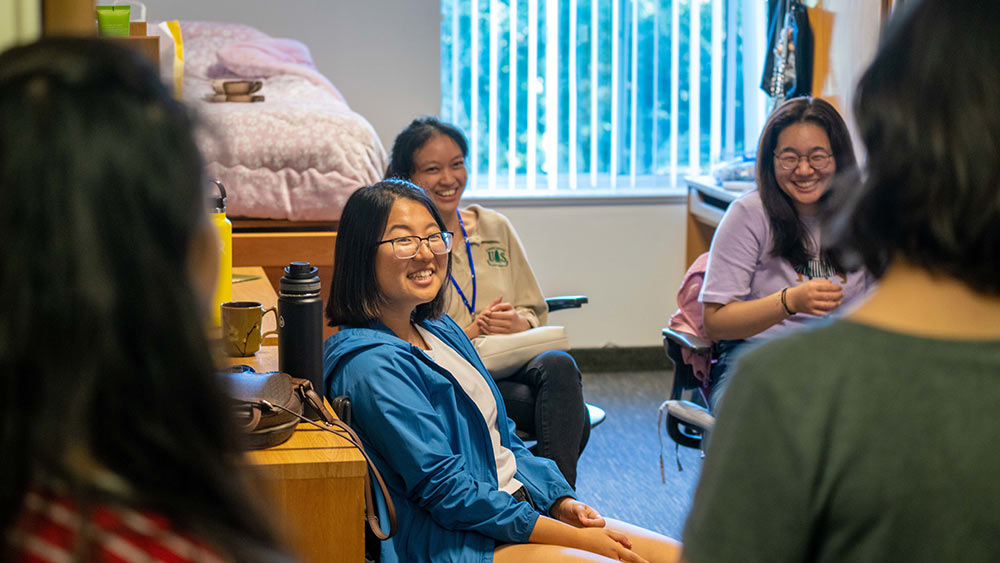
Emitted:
<point x="742" y="268"/>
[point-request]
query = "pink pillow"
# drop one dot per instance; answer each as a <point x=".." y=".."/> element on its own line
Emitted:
<point x="264" y="57"/>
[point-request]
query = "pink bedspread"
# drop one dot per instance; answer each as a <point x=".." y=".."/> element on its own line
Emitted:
<point x="299" y="154"/>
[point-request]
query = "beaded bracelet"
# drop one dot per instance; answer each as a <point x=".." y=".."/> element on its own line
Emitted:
<point x="784" y="302"/>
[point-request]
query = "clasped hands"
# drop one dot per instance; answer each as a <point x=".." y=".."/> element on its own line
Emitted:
<point x="499" y="318"/>
<point x="592" y="535"/>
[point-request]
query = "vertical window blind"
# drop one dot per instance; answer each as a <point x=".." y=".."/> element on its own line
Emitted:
<point x="612" y="96"/>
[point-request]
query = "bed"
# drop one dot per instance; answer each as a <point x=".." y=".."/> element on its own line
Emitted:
<point x="289" y="163"/>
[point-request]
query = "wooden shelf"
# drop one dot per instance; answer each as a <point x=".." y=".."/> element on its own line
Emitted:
<point x="149" y="46"/>
<point x="68" y="17"/>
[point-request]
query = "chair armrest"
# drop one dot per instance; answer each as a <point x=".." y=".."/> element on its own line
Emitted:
<point x="690" y="413"/>
<point x="690" y="341"/>
<point x="565" y="302"/>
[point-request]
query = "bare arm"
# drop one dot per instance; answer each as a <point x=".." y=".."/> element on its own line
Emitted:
<point x="595" y="540"/>
<point x="743" y="319"/>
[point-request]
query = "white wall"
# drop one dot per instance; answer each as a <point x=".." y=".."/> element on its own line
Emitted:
<point x="20" y="22"/>
<point x="628" y="259"/>
<point x="383" y="55"/>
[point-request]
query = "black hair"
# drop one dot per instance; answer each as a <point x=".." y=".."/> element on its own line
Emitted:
<point x="355" y="298"/>
<point x="102" y="346"/>
<point x="790" y="236"/>
<point x="416" y="134"/>
<point x="928" y="113"/>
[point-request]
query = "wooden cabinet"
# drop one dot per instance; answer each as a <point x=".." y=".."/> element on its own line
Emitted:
<point x="316" y="481"/>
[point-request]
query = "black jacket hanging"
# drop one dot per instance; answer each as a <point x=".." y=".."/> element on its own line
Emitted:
<point x="795" y="76"/>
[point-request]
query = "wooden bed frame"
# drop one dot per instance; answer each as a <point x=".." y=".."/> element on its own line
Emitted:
<point x="272" y="244"/>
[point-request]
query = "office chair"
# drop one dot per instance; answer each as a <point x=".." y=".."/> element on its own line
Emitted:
<point x="688" y="420"/>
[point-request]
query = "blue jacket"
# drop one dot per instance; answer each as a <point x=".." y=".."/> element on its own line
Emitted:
<point x="432" y="446"/>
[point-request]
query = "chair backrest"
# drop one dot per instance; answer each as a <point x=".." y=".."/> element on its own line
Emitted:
<point x="687" y="347"/>
<point x="684" y="339"/>
<point x="684" y="377"/>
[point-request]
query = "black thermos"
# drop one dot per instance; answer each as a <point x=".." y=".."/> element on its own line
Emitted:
<point x="300" y="324"/>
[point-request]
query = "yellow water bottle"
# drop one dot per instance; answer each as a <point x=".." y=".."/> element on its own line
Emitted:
<point x="224" y="289"/>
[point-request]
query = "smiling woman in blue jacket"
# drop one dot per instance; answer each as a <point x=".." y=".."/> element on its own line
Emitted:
<point x="464" y="486"/>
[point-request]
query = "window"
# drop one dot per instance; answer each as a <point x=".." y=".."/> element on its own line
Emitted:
<point x="600" y="95"/>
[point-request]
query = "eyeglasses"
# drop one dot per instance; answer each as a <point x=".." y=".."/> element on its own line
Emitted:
<point x="405" y="248"/>
<point x="790" y="161"/>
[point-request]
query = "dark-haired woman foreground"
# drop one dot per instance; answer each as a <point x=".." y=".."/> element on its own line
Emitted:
<point x="464" y="486"/>
<point x="875" y="438"/>
<point x="113" y="441"/>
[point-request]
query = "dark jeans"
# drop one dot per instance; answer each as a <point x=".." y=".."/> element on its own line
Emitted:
<point x="545" y="399"/>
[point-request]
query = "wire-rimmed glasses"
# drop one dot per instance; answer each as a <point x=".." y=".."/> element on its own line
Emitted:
<point x="405" y="248"/>
<point x="818" y="160"/>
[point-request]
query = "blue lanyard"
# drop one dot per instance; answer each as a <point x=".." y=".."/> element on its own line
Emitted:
<point x="472" y="267"/>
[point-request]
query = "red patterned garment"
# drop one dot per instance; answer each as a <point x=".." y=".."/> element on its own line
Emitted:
<point x="50" y="527"/>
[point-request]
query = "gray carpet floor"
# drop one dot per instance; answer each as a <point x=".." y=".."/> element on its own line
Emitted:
<point x="619" y="472"/>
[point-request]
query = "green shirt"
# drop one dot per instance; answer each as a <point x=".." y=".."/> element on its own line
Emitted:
<point x="850" y="443"/>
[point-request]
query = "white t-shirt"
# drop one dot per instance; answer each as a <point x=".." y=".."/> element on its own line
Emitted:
<point x="475" y="386"/>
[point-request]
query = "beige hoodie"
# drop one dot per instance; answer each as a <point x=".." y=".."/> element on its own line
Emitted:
<point x="501" y="269"/>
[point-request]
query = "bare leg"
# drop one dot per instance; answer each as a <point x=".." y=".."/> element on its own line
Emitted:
<point x="518" y="552"/>
<point x="653" y="547"/>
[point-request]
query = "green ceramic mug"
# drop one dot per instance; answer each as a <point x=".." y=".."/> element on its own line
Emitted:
<point x="242" y="325"/>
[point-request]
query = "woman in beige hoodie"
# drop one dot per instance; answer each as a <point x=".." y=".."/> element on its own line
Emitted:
<point x="494" y="291"/>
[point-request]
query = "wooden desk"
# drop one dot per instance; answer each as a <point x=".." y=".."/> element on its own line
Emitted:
<point x="316" y="478"/>
<point x="707" y="203"/>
